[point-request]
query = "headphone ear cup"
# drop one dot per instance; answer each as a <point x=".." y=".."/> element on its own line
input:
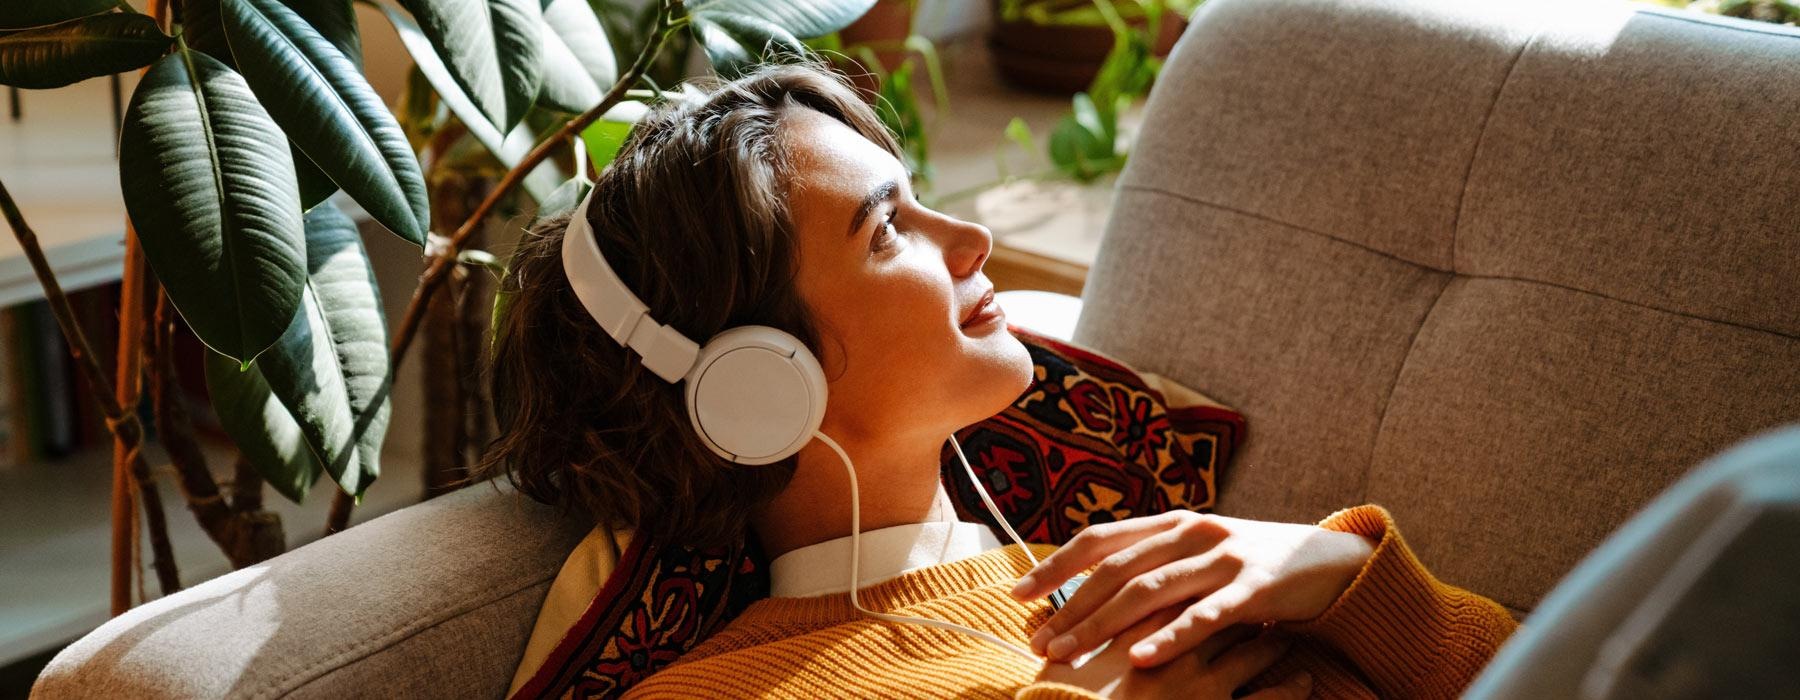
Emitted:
<point x="755" y="394"/>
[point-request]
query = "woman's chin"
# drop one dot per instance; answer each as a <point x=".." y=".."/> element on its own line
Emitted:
<point x="1006" y="369"/>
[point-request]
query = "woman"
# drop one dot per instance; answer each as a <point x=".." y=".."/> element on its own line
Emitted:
<point x="778" y="199"/>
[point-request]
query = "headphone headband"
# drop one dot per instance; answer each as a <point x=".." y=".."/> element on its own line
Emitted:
<point x="620" y="313"/>
<point x="755" y="394"/>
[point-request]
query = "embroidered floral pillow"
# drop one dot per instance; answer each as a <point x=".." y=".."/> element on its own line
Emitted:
<point x="1090" y="441"/>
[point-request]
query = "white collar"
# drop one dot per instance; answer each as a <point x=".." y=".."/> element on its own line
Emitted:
<point x="824" y="568"/>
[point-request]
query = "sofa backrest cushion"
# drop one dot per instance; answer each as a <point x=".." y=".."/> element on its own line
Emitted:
<point x="1507" y="268"/>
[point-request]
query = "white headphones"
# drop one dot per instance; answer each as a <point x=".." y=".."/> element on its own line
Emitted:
<point x="755" y="394"/>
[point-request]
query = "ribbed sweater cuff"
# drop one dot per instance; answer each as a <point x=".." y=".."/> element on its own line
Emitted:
<point x="1411" y="635"/>
<point x="1048" y="690"/>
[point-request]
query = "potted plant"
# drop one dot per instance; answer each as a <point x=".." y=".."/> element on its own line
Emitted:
<point x="249" y="116"/>
<point x="1058" y="46"/>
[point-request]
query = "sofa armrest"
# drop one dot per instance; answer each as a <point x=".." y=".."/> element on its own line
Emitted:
<point x="1050" y="314"/>
<point x="434" y="600"/>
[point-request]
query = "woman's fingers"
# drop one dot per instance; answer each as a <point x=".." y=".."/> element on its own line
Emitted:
<point x="1085" y="550"/>
<point x="1116" y="573"/>
<point x="1223" y="641"/>
<point x="1187" y="579"/>
<point x="1200" y="621"/>
<point x="1245" y="661"/>
<point x="1296" y="687"/>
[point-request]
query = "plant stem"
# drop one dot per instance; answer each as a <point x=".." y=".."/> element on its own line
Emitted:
<point x="339" y="517"/>
<point x="441" y="265"/>
<point x="445" y="260"/>
<point x="128" y="454"/>
<point x="128" y="433"/>
<point x="176" y="431"/>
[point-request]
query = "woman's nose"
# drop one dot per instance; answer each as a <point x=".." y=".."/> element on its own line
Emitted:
<point x="968" y="247"/>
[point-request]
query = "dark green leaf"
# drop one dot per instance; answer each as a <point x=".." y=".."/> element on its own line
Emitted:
<point x="319" y="97"/>
<point x="737" y="32"/>
<point x="261" y="427"/>
<point x="510" y="148"/>
<point x="62" y="54"/>
<point x="210" y="188"/>
<point x="203" y="28"/>
<point x="578" y="59"/>
<point x="330" y="368"/>
<point x="336" y="21"/>
<point x="22" y="14"/>
<point x="492" y="49"/>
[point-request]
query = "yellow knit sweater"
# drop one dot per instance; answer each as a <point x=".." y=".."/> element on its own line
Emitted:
<point x="1395" y="633"/>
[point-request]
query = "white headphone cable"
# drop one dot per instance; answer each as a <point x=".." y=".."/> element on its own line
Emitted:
<point x="856" y="554"/>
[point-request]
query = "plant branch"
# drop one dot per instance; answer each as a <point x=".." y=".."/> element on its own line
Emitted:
<point x="122" y="423"/>
<point x="98" y="384"/>
<point x="130" y="474"/>
<point x="433" y="277"/>
<point x="176" y="431"/>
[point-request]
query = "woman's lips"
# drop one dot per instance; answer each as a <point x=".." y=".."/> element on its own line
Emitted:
<point x="985" y="312"/>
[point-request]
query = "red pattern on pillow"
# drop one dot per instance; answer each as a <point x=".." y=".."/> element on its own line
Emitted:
<point x="1089" y="442"/>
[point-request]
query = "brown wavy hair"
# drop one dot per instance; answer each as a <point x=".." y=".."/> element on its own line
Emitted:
<point x="692" y="216"/>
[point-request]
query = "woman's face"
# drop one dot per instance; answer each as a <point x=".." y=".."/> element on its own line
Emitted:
<point x="910" y="339"/>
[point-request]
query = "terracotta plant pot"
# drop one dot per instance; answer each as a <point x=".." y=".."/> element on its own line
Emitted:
<point x="1062" y="59"/>
<point x="887" y="24"/>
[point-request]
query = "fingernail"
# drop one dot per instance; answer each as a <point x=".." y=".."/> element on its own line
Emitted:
<point x="1144" y="650"/>
<point x="1025" y="584"/>
<point x="1041" y="638"/>
<point x="1062" y="646"/>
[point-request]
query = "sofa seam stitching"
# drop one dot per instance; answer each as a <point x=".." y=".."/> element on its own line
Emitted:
<point x="1462" y="197"/>
<point x="362" y="649"/>
<point x="1287" y="224"/>
<point x="1469" y="275"/>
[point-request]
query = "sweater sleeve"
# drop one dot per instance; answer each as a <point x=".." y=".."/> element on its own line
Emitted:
<point x="1411" y="635"/>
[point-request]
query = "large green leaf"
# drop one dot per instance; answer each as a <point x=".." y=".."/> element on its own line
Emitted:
<point x="21" y="14"/>
<point x="319" y="97"/>
<point x="209" y="185"/>
<point x="73" y="51"/>
<point x="330" y="368"/>
<point x="492" y="48"/>
<point x="318" y="400"/>
<point x="261" y="427"/>
<point x="509" y="148"/>
<point x="738" y="32"/>
<point x="336" y="21"/>
<point x="203" y="27"/>
<point x="578" y="58"/>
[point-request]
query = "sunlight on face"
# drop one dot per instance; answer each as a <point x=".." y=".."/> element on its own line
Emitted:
<point x="890" y="284"/>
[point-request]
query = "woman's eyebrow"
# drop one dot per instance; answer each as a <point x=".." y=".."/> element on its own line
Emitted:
<point x="882" y="192"/>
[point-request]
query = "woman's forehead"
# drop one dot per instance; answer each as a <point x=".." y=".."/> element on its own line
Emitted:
<point x="832" y="167"/>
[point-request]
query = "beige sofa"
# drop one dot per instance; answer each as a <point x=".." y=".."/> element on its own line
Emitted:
<point x="1507" y="268"/>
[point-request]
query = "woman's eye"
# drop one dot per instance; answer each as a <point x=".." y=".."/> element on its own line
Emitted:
<point x="884" y="236"/>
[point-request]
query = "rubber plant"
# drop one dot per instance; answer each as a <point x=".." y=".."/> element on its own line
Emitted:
<point x="249" y="116"/>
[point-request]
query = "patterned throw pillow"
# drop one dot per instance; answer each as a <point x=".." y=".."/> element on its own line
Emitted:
<point x="1090" y="441"/>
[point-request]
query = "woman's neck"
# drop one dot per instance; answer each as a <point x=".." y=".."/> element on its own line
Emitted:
<point x="898" y="482"/>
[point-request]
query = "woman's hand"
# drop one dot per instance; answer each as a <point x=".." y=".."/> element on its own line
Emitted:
<point x="1219" y="571"/>
<point x="1218" y="667"/>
